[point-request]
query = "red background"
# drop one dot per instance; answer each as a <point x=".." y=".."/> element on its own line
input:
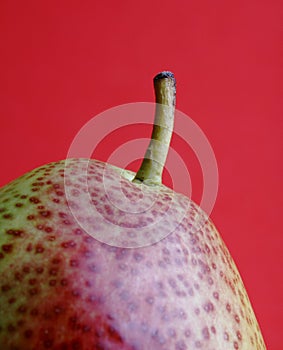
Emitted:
<point x="63" y="62"/>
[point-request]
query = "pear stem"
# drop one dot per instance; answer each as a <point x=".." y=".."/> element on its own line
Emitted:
<point x="150" y="172"/>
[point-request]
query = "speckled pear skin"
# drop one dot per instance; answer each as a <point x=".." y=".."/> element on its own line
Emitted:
<point x="62" y="289"/>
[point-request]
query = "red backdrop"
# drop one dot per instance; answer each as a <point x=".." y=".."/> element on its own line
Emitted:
<point x="63" y="62"/>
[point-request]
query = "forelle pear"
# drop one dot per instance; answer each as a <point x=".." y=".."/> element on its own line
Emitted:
<point x="80" y="269"/>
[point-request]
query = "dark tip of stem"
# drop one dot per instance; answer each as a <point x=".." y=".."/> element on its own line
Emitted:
<point x="165" y="74"/>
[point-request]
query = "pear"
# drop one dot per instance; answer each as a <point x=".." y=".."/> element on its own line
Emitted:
<point x="96" y="257"/>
